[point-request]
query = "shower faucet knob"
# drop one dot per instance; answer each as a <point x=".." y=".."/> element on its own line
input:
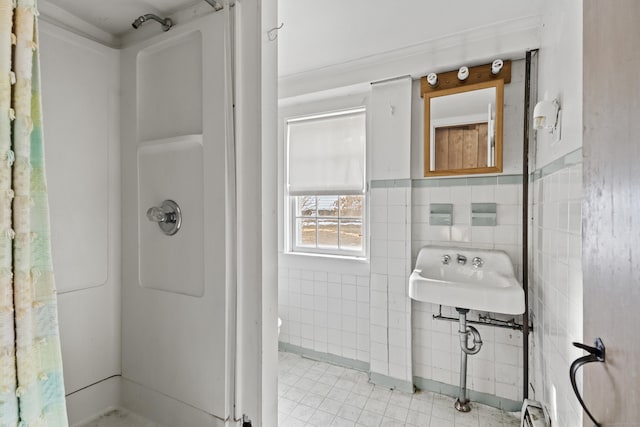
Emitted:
<point x="168" y="216"/>
<point x="477" y="262"/>
<point x="446" y="259"/>
<point x="156" y="214"/>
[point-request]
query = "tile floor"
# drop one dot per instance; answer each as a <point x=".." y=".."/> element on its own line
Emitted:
<point x="319" y="394"/>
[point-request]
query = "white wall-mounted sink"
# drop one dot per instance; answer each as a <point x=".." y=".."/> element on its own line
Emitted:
<point x="491" y="286"/>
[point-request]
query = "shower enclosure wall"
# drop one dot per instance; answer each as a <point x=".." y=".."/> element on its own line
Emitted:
<point x="177" y="300"/>
<point x="82" y="149"/>
<point x="148" y="321"/>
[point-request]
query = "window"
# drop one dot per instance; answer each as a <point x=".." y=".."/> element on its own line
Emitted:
<point x="326" y="183"/>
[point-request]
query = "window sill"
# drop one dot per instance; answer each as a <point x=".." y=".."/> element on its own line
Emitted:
<point x="320" y="262"/>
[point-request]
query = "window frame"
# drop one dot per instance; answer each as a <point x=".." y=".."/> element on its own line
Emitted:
<point x="293" y="215"/>
<point x="290" y="200"/>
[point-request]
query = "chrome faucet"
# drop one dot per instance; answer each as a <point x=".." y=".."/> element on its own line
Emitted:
<point x="446" y="259"/>
<point x="477" y="262"/>
<point x="462" y="259"/>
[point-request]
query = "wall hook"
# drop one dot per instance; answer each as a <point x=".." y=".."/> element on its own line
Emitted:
<point x="596" y="354"/>
<point x="272" y="34"/>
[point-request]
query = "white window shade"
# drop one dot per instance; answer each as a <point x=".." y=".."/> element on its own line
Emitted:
<point x="327" y="154"/>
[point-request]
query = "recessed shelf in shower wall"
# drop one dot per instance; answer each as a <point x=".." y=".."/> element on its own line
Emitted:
<point x="170" y="88"/>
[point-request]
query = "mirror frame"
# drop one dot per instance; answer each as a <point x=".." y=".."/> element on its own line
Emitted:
<point x="480" y="77"/>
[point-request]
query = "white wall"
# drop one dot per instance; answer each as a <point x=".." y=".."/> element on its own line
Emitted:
<point x="363" y="43"/>
<point x="369" y="28"/>
<point x="556" y="297"/>
<point x="389" y="141"/>
<point x="555" y="256"/>
<point x="80" y="96"/>
<point x="560" y="76"/>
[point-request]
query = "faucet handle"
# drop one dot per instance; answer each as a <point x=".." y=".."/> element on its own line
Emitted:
<point x="168" y="216"/>
<point x="477" y="262"/>
<point x="446" y="259"/>
<point x="156" y="214"/>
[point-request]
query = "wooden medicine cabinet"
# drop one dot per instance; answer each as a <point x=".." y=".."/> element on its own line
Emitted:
<point x="463" y="122"/>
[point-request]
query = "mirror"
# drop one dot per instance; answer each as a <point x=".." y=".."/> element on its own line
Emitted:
<point x="463" y="129"/>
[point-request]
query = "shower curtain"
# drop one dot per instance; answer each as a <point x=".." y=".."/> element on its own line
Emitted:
<point x="31" y="383"/>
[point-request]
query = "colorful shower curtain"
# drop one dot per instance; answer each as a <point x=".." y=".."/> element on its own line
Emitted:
<point x="31" y="384"/>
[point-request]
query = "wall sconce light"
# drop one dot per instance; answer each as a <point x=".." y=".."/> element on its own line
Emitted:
<point x="463" y="73"/>
<point x="496" y="66"/>
<point x="547" y="115"/>
<point x="432" y="79"/>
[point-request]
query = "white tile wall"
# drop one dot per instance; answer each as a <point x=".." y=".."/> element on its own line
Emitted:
<point x="497" y="368"/>
<point x="506" y="236"/>
<point x="390" y="306"/>
<point x="556" y="290"/>
<point x="325" y="311"/>
<point x="370" y="318"/>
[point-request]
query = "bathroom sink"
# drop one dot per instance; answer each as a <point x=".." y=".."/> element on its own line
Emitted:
<point x="477" y="279"/>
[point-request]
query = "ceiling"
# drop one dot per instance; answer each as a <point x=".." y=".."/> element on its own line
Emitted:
<point x="115" y="16"/>
<point x="318" y="34"/>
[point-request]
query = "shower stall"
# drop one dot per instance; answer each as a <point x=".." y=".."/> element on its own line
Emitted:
<point x="156" y="179"/>
<point x="177" y="143"/>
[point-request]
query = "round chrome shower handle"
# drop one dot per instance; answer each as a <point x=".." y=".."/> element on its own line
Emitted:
<point x="168" y="216"/>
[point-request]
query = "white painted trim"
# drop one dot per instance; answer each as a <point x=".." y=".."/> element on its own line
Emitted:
<point x="250" y="360"/>
<point x="360" y="89"/>
<point x="269" y="146"/>
<point x="508" y="39"/>
<point x="336" y="264"/>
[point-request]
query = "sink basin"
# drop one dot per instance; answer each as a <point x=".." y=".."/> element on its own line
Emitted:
<point x="491" y="286"/>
